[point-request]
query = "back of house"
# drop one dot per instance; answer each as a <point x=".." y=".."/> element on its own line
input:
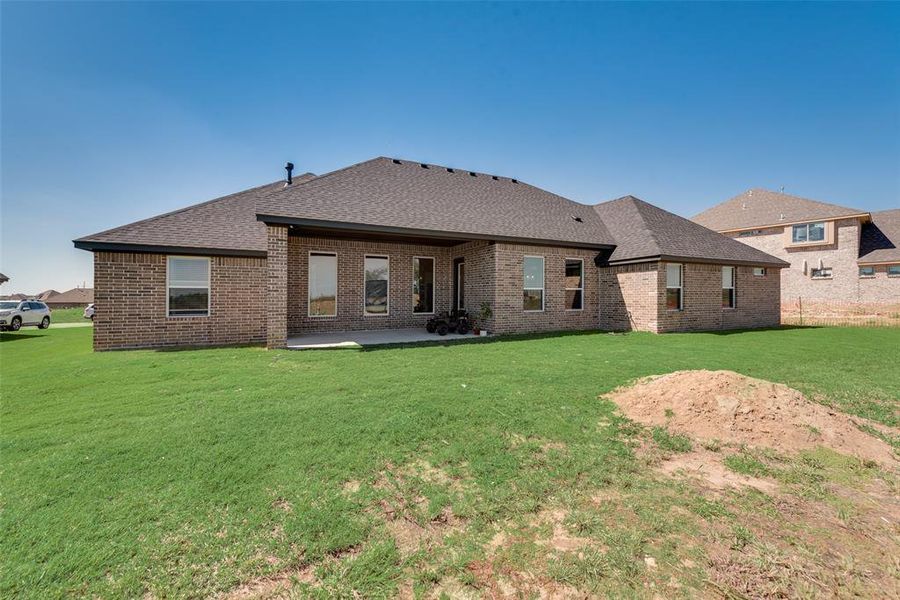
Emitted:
<point x="388" y="243"/>
<point x="838" y="255"/>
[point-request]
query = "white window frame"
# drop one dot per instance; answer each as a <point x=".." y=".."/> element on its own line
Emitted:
<point x="888" y="269"/>
<point x="581" y="289"/>
<point x="760" y="271"/>
<point x="543" y="288"/>
<point x="336" y="286"/>
<point x="208" y="260"/>
<point x="807" y="226"/>
<point x="867" y="275"/>
<point x="680" y="286"/>
<point x="433" y="280"/>
<point x="387" y="312"/>
<point x="822" y="278"/>
<point x="733" y="287"/>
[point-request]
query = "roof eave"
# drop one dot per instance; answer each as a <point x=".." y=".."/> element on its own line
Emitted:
<point x="95" y="246"/>
<point x="427" y="233"/>
<point x="777" y="264"/>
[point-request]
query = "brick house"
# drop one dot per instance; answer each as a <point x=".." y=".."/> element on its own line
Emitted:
<point x="386" y="243"/>
<point x="836" y="253"/>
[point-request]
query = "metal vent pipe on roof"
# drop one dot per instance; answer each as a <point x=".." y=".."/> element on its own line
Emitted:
<point x="289" y="167"/>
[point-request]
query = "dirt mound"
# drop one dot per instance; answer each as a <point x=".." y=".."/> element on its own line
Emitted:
<point x="733" y="408"/>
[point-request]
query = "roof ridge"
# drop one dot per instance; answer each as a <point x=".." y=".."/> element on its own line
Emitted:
<point x="804" y="198"/>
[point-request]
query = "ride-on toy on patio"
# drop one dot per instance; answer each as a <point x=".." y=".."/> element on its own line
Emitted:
<point x="445" y="322"/>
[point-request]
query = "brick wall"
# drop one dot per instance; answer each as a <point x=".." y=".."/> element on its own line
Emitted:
<point x="130" y="296"/>
<point x="628" y="297"/>
<point x="276" y="299"/>
<point x="509" y="267"/>
<point x="880" y="289"/>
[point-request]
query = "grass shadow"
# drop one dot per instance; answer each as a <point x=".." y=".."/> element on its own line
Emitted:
<point x="13" y="337"/>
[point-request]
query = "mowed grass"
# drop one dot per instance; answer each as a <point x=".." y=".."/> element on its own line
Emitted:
<point x="186" y="473"/>
<point x="68" y="315"/>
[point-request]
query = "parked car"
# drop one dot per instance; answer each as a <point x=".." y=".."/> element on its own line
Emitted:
<point x="89" y="312"/>
<point x="15" y="314"/>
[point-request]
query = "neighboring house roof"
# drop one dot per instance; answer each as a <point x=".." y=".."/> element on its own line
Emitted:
<point x="385" y="195"/>
<point x="226" y="225"/>
<point x="15" y="297"/>
<point x="3" y="278"/>
<point x="46" y="295"/>
<point x="762" y="208"/>
<point x="880" y="239"/>
<point x="646" y="232"/>
<point x="73" y="296"/>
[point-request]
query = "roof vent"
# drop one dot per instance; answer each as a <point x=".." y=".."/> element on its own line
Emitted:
<point x="577" y="219"/>
<point x="743" y="206"/>
<point x="473" y="174"/>
<point x="514" y="180"/>
<point x="781" y="217"/>
<point x="395" y="161"/>
<point x="495" y="178"/>
<point x="449" y="170"/>
<point x="289" y="167"/>
<point x="423" y="165"/>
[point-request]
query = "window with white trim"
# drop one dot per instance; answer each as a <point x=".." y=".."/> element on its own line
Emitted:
<point x="423" y="285"/>
<point x="808" y="232"/>
<point x="322" y="284"/>
<point x="867" y="271"/>
<point x="574" y="284"/>
<point x="674" y="286"/>
<point x="729" y="276"/>
<point x="533" y="292"/>
<point x="187" y="286"/>
<point x="759" y="271"/>
<point x="893" y="270"/>
<point x="377" y="280"/>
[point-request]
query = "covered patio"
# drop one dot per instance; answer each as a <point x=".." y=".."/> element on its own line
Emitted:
<point x="358" y="339"/>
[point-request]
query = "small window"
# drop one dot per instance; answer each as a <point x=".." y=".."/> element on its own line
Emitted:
<point x="423" y="285"/>
<point x="188" y="286"/>
<point x="820" y="273"/>
<point x="867" y="271"/>
<point x="377" y="281"/>
<point x="893" y="270"/>
<point x="533" y="293"/>
<point x="759" y="271"/>
<point x="322" y="278"/>
<point x="574" y="284"/>
<point x="729" y="274"/>
<point x="808" y="232"/>
<point x="674" y="286"/>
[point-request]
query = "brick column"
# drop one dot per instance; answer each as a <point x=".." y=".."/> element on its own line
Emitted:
<point x="276" y="324"/>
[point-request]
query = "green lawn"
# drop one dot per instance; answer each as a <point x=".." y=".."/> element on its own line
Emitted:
<point x="185" y="473"/>
<point x="68" y="315"/>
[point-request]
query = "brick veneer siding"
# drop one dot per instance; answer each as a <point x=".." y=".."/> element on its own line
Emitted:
<point x="276" y="299"/>
<point x="629" y="297"/>
<point x="633" y="297"/>
<point x="351" y="288"/>
<point x="130" y="296"/>
<point x="840" y="256"/>
<point x="879" y="289"/>
<point x="509" y="316"/>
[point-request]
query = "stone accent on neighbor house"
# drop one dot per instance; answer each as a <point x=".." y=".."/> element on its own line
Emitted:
<point x="840" y="256"/>
<point x="130" y="295"/>
<point x="633" y="297"/>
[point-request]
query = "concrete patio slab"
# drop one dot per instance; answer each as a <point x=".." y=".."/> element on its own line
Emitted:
<point x="358" y="339"/>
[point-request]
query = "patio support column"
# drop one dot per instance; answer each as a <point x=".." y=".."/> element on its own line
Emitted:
<point x="276" y="261"/>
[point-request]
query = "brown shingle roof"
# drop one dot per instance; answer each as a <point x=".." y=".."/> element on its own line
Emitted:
<point x="647" y="232"/>
<point x="880" y="239"/>
<point x="761" y="208"/>
<point x="73" y="296"/>
<point x="391" y="195"/>
<point x="227" y="224"/>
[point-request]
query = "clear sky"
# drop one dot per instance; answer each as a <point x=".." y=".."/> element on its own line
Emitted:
<point x="116" y="112"/>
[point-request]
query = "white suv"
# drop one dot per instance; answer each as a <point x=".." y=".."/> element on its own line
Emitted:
<point x="15" y="314"/>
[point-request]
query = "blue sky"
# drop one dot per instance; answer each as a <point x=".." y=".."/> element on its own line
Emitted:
<point x="115" y="112"/>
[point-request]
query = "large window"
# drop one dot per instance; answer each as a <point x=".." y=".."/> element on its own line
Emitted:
<point x="187" y="282"/>
<point x="729" y="275"/>
<point x="808" y="232"/>
<point x="533" y="294"/>
<point x="377" y="280"/>
<point x="574" y="284"/>
<point x="322" y="284"/>
<point x="423" y="285"/>
<point x="674" y="286"/>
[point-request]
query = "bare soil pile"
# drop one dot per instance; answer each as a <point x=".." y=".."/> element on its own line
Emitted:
<point x="733" y="408"/>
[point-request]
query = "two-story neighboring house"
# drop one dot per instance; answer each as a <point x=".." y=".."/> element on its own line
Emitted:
<point x="836" y="253"/>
